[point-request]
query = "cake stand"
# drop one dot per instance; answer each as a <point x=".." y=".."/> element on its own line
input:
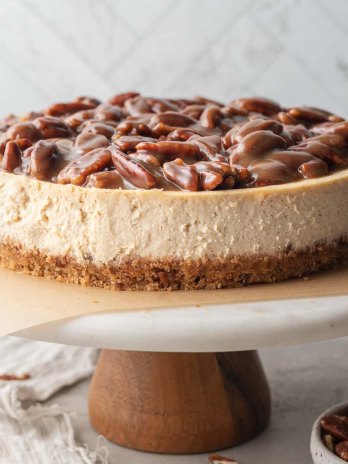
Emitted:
<point x="188" y="379"/>
<point x="178" y="371"/>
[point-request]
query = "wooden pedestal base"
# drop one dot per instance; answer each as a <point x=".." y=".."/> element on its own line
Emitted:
<point x="179" y="402"/>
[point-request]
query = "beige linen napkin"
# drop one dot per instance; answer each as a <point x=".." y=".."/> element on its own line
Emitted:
<point x="32" y="432"/>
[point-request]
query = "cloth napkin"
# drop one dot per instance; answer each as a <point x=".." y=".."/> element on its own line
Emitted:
<point x="32" y="432"/>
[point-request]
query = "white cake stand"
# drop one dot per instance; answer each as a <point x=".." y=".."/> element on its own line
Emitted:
<point x="188" y="379"/>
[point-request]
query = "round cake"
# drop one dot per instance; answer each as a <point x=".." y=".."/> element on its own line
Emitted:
<point x="145" y="193"/>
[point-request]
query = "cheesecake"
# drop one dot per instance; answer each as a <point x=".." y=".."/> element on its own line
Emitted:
<point x="142" y="193"/>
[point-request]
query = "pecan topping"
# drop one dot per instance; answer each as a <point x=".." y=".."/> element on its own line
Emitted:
<point x="52" y="127"/>
<point x="106" y="112"/>
<point x="309" y="114"/>
<point x="41" y="159"/>
<point x="76" y="171"/>
<point x="87" y="141"/>
<point x="12" y="157"/>
<point x="24" y="130"/>
<point x="121" y="98"/>
<point x="218" y="459"/>
<point x="257" y="105"/>
<point x="105" y="180"/>
<point x="181" y="174"/>
<point x="170" y="149"/>
<point x="251" y="142"/>
<point x="60" y="109"/>
<point x="128" y="143"/>
<point x="132" y="171"/>
<point x="100" y="128"/>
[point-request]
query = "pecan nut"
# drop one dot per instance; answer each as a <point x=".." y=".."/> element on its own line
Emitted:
<point x="12" y="157"/>
<point x="105" y="180"/>
<point x="256" y="144"/>
<point x="210" y="117"/>
<point x="106" y="112"/>
<point x="60" y="109"/>
<point x="99" y="128"/>
<point x="171" y="150"/>
<point x="181" y="174"/>
<point x="87" y="141"/>
<point x="308" y="113"/>
<point x="132" y="171"/>
<point x="23" y="130"/>
<point x="51" y="127"/>
<point x="41" y="159"/>
<point x="335" y="426"/>
<point x="342" y="450"/>
<point x="128" y="143"/>
<point x="76" y="171"/>
<point x="121" y="98"/>
<point x="257" y="105"/>
<point x="313" y="169"/>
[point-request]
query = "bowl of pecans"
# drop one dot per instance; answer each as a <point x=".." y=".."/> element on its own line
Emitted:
<point x="329" y="439"/>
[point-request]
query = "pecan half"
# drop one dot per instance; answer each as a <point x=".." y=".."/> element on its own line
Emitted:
<point x="133" y="128"/>
<point x="132" y="171"/>
<point x="335" y="426"/>
<point x="75" y="120"/>
<point x="181" y="174"/>
<point x="121" y="98"/>
<point x="106" y="112"/>
<point x="99" y="128"/>
<point x="171" y="150"/>
<point x="342" y="450"/>
<point x="105" y="180"/>
<point x="23" y="144"/>
<point x="129" y="142"/>
<point x="171" y="118"/>
<point x="322" y="151"/>
<point x="137" y="105"/>
<point x="51" y="127"/>
<point x="256" y="144"/>
<point x="210" y="117"/>
<point x="12" y="157"/>
<point x="60" y="109"/>
<point x="286" y="118"/>
<point x="257" y="105"/>
<point x="308" y="113"/>
<point x="312" y="169"/>
<point x="41" y="159"/>
<point x="87" y="141"/>
<point x="209" y="146"/>
<point x="76" y="171"/>
<point x="23" y="130"/>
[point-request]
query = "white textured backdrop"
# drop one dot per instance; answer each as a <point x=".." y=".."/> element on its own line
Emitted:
<point x="295" y="51"/>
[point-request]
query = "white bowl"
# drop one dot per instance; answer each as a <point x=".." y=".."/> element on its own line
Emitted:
<point x="320" y="454"/>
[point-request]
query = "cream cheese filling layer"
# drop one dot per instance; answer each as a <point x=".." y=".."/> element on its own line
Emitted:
<point x="113" y="225"/>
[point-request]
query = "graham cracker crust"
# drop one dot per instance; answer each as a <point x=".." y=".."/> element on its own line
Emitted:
<point x="147" y="274"/>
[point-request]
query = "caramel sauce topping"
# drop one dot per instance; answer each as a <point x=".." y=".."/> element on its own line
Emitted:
<point x="136" y="142"/>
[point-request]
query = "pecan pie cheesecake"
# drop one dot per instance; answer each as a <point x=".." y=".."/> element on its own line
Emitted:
<point x="144" y="193"/>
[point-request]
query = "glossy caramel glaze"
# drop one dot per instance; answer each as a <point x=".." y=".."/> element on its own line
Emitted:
<point x="136" y="142"/>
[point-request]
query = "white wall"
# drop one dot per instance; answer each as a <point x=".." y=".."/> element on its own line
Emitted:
<point x="295" y="51"/>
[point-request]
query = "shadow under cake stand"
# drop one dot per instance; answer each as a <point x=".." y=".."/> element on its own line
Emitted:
<point x="188" y="379"/>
